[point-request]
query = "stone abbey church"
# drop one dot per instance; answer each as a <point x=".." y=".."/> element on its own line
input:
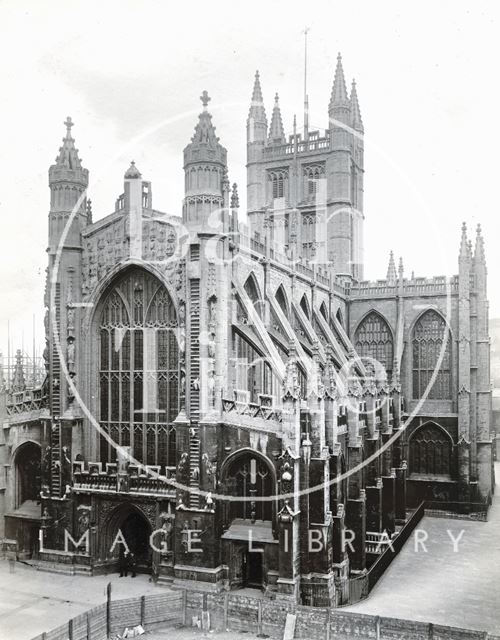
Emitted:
<point x="235" y="401"/>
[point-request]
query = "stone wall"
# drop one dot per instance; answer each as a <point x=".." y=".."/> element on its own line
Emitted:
<point x="266" y="616"/>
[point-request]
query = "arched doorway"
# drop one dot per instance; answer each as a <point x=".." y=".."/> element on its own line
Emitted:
<point x="22" y="522"/>
<point x="28" y="473"/>
<point x="136" y="531"/>
<point x="249" y="475"/>
<point x="129" y="523"/>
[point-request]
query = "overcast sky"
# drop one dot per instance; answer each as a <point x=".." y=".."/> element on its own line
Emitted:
<point x="130" y="74"/>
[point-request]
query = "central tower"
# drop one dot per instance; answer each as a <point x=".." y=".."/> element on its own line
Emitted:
<point x="306" y="193"/>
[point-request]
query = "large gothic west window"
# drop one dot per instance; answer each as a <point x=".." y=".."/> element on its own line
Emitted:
<point x="430" y="451"/>
<point x="373" y="340"/>
<point x="429" y="334"/>
<point x="139" y="369"/>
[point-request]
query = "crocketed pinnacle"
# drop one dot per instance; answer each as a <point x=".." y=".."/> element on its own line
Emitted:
<point x="357" y="122"/>
<point x="204" y="133"/>
<point x="257" y="111"/>
<point x="391" y="269"/>
<point x="68" y="155"/>
<point x="464" y="245"/>
<point x="18" y="380"/>
<point x="400" y="268"/>
<point x="235" y="201"/>
<point x="276" y="132"/>
<point x="479" y="248"/>
<point x="339" y="97"/>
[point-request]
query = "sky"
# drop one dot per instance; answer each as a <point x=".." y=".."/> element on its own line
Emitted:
<point x="130" y="75"/>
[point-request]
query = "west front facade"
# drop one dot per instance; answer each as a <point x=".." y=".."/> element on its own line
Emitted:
<point x="233" y="401"/>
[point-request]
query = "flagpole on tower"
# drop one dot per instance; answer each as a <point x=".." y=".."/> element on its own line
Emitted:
<point x="306" y="99"/>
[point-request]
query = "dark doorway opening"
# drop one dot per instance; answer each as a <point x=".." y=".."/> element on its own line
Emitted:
<point x="28" y="461"/>
<point x="136" y="531"/>
<point x="252" y="569"/>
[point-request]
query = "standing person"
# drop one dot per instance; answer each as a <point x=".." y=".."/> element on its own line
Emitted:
<point x="132" y="564"/>
<point x="121" y="562"/>
<point x="124" y="567"/>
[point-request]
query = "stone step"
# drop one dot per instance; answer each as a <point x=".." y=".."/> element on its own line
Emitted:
<point x="65" y="569"/>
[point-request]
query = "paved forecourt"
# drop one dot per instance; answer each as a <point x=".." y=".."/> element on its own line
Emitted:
<point x="442" y="586"/>
<point x="35" y="601"/>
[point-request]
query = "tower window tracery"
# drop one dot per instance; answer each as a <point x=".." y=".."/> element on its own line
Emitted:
<point x="278" y="180"/>
<point x="429" y="334"/>
<point x="312" y="175"/>
<point x="139" y="369"/>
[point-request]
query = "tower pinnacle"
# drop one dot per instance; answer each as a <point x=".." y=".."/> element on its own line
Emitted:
<point x="479" y="256"/>
<point x="464" y="245"/>
<point x="357" y="122"/>
<point x="18" y="381"/>
<point x="235" y="201"/>
<point x="392" y="275"/>
<point x="257" y="113"/>
<point x="68" y="155"/>
<point x="276" y="132"/>
<point x="339" y="96"/>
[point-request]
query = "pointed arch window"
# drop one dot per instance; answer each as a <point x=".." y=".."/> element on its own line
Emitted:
<point x="312" y="176"/>
<point x="139" y="369"/>
<point x="429" y="335"/>
<point x="278" y="180"/>
<point x="309" y="233"/>
<point x="430" y="451"/>
<point x="251" y="371"/>
<point x="249" y="475"/>
<point x="373" y="340"/>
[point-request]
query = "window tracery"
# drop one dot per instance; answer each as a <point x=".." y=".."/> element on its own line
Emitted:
<point x="373" y="340"/>
<point x="430" y="451"/>
<point x="429" y="334"/>
<point x="139" y="369"/>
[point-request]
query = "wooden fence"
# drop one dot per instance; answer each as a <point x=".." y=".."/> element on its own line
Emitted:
<point x="258" y="615"/>
<point x="111" y="618"/>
